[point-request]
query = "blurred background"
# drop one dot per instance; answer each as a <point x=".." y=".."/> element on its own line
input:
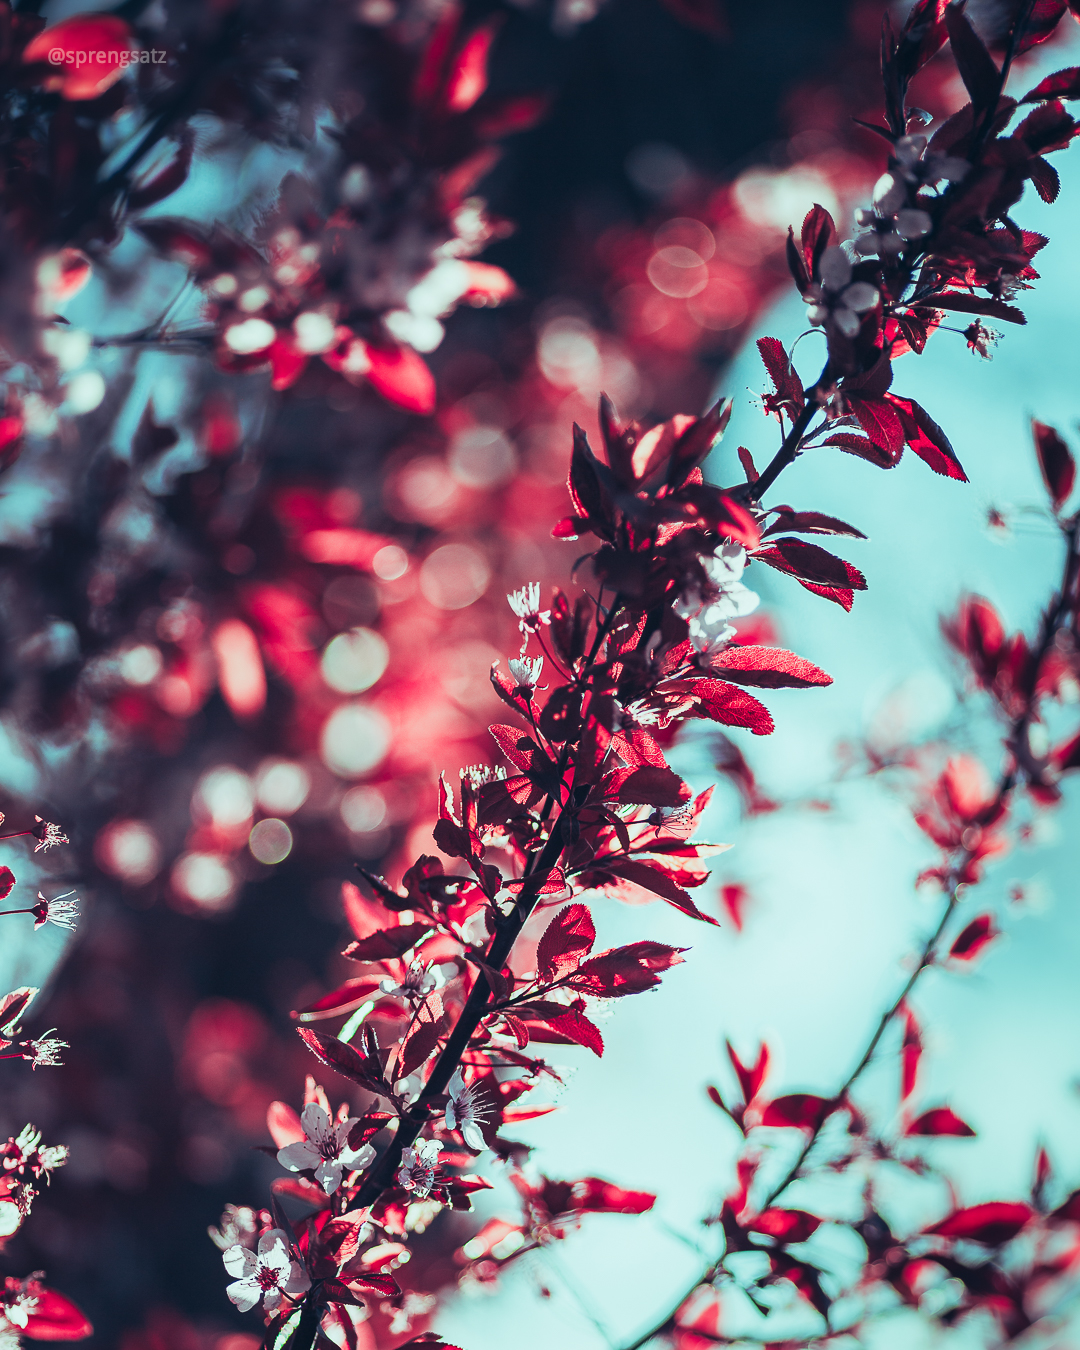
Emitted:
<point x="248" y="616"/>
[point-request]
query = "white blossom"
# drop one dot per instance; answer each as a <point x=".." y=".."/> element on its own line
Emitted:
<point x="418" y="1164"/>
<point x="888" y="224"/>
<point x="418" y="982"/>
<point x="526" y="605"/>
<point x="914" y="165"/>
<point x="264" y="1276"/>
<point x="838" y="299"/>
<point x="62" y="911"/>
<point x="466" y="1111"/>
<point x="325" y="1149"/>
<point x="709" y="616"/>
<point x="47" y="835"/>
<point x="526" y="670"/>
<point x="44" y="1051"/>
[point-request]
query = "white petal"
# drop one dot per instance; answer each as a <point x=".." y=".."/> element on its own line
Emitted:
<point x="456" y="1085"/>
<point x="356" y="1158"/>
<point x="244" y="1293"/>
<point x="316" y="1123"/>
<point x="297" y="1157"/>
<point x="859" y="296"/>
<point x="913" y="223"/>
<point x="342" y="1132"/>
<point x="271" y="1298"/>
<point x="847" y="321"/>
<point x="239" y="1262"/>
<point x="835" y="269"/>
<point x="328" y="1176"/>
<point x="889" y="195"/>
<point x="471" y="1134"/>
<point x="274" y="1250"/>
<point x="818" y="314"/>
<point x="909" y="149"/>
<point x="299" y="1281"/>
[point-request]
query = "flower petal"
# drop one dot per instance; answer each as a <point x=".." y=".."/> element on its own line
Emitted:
<point x="244" y="1293"/>
<point x="239" y="1262"/>
<point x="299" y="1157"/>
<point x="835" y="268"/>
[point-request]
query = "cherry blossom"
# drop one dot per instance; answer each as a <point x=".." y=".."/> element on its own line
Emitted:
<point x="264" y="1276"/>
<point x="526" y="605"/>
<point x="418" y="981"/>
<point x="325" y="1150"/>
<point x="465" y="1111"/>
<point x="914" y="165"/>
<point x="888" y="223"/>
<point x="418" y="1164"/>
<point x="709" y="616"/>
<point x="61" y="911"/>
<point x="47" y="835"/>
<point x="838" y="300"/>
<point x="45" y="1051"/>
<point x="526" y="670"/>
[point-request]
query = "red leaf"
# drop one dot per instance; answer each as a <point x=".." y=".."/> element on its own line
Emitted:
<point x="750" y="1079"/>
<point x="468" y="75"/>
<point x="880" y="422"/>
<point x="809" y="562"/>
<point x="1045" y="178"/>
<point x="978" y="934"/>
<point x="979" y="304"/>
<point x="659" y="882"/>
<point x="993" y="1223"/>
<point x="787" y="1225"/>
<point x="731" y="707"/>
<point x="603" y="1197"/>
<point x="335" y="1054"/>
<point x="652" y="785"/>
<point x="768" y="668"/>
<point x="859" y="445"/>
<point x="12" y="1007"/>
<point x="940" y="1120"/>
<point x="1055" y="461"/>
<point x="427" y="1027"/>
<point x="567" y="940"/>
<point x="817" y="234"/>
<point x="1070" y="1210"/>
<point x="95" y="51"/>
<point x="734" y="897"/>
<point x="386" y="943"/>
<point x="7" y="882"/>
<point x="1048" y="128"/>
<point x="339" y="1001"/>
<point x="910" y="1053"/>
<point x="809" y="522"/>
<point x="924" y="435"/>
<point x="975" y="64"/>
<point x="788" y="386"/>
<point x="55" y="1318"/>
<point x="1062" y="84"/>
<point x="801" y="1109"/>
<point x="625" y="970"/>
<point x="401" y="377"/>
<point x="579" y="1029"/>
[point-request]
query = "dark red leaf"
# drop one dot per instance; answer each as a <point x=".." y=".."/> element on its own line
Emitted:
<point x="335" y="1054"/>
<point x="577" y="1028"/>
<point x="53" y="1317"/>
<point x="865" y="449"/>
<point x="386" y="943"/>
<point x="992" y="1223"/>
<point x="940" y="1121"/>
<point x="658" y="881"/>
<point x="1056" y="462"/>
<point x="7" y="882"/>
<point x="809" y="562"/>
<point x="880" y="422"/>
<point x="926" y="438"/>
<point x="750" y="1078"/>
<point x="801" y="1109"/>
<point x="625" y="970"/>
<point x="1048" y="128"/>
<point x="1045" y="178"/>
<point x="401" y="377"/>
<point x="981" y="77"/>
<point x="910" y="1054"/>
<point x="567" y="940"/>
<point x="652" y="785"/>
<point x="978" y="934"/>
<point x="768" y="668"/>
<point x="808" y="522"/>
<point x="979" y="304"/>
<point x="732" y="707"/>
<point x="1062" y="84"/>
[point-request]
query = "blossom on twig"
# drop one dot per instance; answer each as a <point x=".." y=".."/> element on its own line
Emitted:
<point x="61" y="911"/>
<point x="325" y="1150"/>
<point x="418" y="1166"/>
<point x="266" y="1275"/>
<point x="466" y="1111"/>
